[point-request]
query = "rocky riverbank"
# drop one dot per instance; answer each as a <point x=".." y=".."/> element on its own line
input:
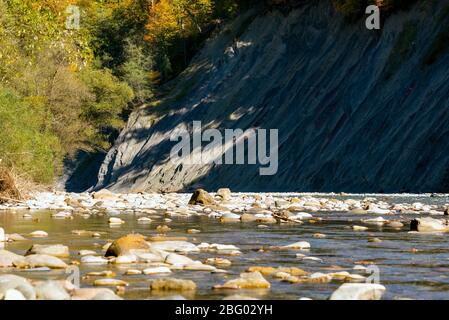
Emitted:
<point x="174" y="243"/>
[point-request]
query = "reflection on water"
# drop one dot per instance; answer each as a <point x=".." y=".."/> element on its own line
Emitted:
<point x="411" y="265"/>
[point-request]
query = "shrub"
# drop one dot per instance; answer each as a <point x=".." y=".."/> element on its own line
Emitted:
<point x="111" y="97"/>
<point x="26" y="144"/>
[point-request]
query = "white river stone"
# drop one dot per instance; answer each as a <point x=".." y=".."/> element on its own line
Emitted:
<point x="358" y="291"/>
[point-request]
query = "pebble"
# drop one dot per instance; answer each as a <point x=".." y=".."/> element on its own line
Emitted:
<point x="175" y="246"/>
<point x="301" y="245"/>
<point x="229" y="217"/>
<point x="105" y="273"/>
<point x="247" y="217"/>
<point x="262" y="269"/>
<point x="198" y="266"/>
<point x="62" y="215"/>
<point x="172" y="284"/>
<point x="144" y="220"/>
<point x="247" y="280"/>
<point x="163" y="228"/>
<point x="301" y="216"/>
<point x="108" y="282"/>
<point x="56" y="250"/>
<point x="376" y="221"/>
<point x="359" y="228"/>
<point x="87" y="253"/>
<point x="311" y="259"/>
<point x="125" y="259"/>
<point x="157" y="270"/>
<point x="319" y="235"/>
<point x="177" y="259"/>
<point x="133" y="272"/>
<point x="93" y="260"/>
<point x="39" y="233"/>
<point x="221" y="262"/>
<point x="115" y="221"/>
<point x="318" y="277"/>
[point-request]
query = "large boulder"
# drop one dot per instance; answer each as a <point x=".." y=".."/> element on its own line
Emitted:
<point x="178" y="259"/>
<point x="9" y="282"/>
<point x="51" y="290"/>
<point x="201" y="196"/>
<point x="174" y="246"/>
<point x="10" y="259"/>
<point x="56" y="250"/>
<point x="224" y="193"/>
<point x="125" y="245"/>
<point x="2" y="235"/>
<point x="104" y="194"/>
<point x="358" y="291"/>
<point x="428" y="224"/>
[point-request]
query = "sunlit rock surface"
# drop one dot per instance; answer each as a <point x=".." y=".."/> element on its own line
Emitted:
<point x="356" y="110"/>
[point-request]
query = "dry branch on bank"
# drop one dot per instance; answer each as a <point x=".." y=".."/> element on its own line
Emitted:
<point x="8" y="186"/>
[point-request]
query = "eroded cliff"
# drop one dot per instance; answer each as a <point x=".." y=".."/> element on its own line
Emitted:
<point x="356" y="110"/>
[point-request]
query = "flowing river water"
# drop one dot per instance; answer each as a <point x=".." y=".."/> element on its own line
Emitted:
<point x="411" y="265"/>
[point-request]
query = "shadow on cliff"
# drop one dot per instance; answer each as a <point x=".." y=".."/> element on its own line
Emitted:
<point x="357" y="113"/>
<point x="82" y="170"/>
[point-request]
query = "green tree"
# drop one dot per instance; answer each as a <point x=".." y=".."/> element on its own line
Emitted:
<point x="136" y="71"/>
<point x="111" y="97"/>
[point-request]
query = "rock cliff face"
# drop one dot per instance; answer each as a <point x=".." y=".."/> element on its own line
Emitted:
<point x="356" y="110"/>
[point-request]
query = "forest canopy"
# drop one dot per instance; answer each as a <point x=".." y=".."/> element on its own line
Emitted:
<point x="64" y="89"/>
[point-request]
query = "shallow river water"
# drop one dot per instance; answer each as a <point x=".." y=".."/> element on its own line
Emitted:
<point x="412" y="266"/>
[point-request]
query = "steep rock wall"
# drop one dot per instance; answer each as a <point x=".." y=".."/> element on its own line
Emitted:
<point x="356" y="110"/>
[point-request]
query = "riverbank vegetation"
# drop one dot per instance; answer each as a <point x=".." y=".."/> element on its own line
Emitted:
<point x="66" y="87"/>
